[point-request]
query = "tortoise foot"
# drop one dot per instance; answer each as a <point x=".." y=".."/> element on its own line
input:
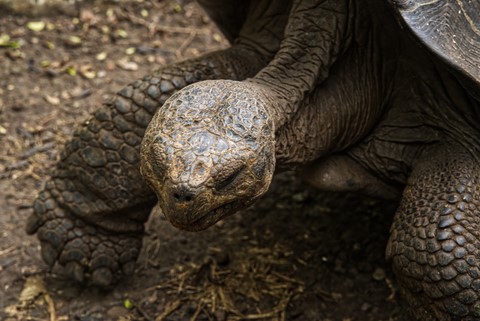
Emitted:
<point x="435" y="241"/>
<point x="88" y="253"/>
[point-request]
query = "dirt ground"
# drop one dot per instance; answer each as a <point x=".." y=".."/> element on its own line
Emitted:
<point x="298" y="254"/>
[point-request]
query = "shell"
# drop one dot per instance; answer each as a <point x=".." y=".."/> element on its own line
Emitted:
<point x="449" y="28"/>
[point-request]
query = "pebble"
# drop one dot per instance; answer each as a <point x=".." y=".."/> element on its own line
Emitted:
<point x="378" y="274"/>
<point x="300" y="197"/>
<point x="365" y="307"/>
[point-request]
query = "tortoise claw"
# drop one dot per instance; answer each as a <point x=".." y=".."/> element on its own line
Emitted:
<point x="105" y="260"/>
<point x="33" y="224"/>
<point x="51" y="236"/>
<point x="49" y="253"/>
<point x="102" y="277"/>
<point x="75" y="271"/>
<point x="128" y="268"/>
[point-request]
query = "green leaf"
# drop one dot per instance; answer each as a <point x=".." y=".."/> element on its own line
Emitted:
<point x="74" y="41"/>
<point x="71" y="70"/>
<point x="45" y="63"/>
<point x="50" y="45"/>
<point x="101" y="56"/>
<point x="130" y="50"/>
<point x="6" y="42"/>
<point x="177" y="7"/>
<point x="128" y="304"/>
<point x="121" y="33"/>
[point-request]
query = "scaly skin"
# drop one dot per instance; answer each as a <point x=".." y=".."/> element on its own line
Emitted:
<point x="209" y="152"/>
<point x="348" y="89"/>
<point x="435" y="241"/>
<point x="90" y="215"/>
<point x="217" y="131"/>
<point x="387" y="122"/>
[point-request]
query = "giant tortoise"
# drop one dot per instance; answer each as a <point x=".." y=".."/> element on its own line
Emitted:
<point x="372" y="96"/>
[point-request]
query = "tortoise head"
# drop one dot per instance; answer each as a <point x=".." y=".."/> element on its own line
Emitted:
<point x="209" y="152"/>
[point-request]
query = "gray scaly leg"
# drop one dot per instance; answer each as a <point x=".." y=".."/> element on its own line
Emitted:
<point x="435" y="238"/>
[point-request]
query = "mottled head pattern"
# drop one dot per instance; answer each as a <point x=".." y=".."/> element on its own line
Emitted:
<point x="209" y="151"/>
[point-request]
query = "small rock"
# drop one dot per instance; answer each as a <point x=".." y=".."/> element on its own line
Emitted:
<point x="73" y="41"/>
<point x="337" y="296"/>
<point x="378" y="274"/>
<point x="80" y="93"/>
<point x="365" y="307"/>
<point x="101" y="56"/>
<point x="52" y="100"/>
<point x="300" y="197"/>
<point x="280" y="206"/>
<point x="217" y="37"/>
<point x="126" y="64"/>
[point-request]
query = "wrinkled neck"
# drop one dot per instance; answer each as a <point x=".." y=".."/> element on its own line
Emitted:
<point x="315" y="36"/>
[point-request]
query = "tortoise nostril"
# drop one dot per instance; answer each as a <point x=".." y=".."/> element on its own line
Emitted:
<point x="183" y="194"/>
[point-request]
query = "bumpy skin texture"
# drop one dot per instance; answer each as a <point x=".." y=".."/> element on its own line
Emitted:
<point x="208" y="159"/>
<point x="348" y="97"/>
<point x="435" y="241"/>
<point x="181" y="157"/>
<point x="90" y="215"/>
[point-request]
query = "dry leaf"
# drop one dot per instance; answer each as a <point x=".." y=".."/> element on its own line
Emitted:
<point x="33" y="287"/>
<point x="36" y="25"/>
<point x="87" y="71"/>
<point x="74" y="41"/>
<point x="126" y="64"/>
<point x="101" y="56"/>
<point x="52" y="100"/>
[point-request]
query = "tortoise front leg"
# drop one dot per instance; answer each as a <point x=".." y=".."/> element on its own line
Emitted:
<point x="90" y="215"/>
<point x="435" y="238"/>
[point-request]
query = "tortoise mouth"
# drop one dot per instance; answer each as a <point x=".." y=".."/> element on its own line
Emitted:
<point x="210" y="218"/>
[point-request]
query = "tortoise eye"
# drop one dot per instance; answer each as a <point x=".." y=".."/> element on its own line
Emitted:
<point x="226" y="182"/>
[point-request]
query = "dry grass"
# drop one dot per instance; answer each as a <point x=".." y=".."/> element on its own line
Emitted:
<point x="253" y="277"/>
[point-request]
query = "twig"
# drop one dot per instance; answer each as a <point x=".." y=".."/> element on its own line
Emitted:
<point x="142" y="311"/>
<point x="393" y="290"/>
<point x="51" y="306"/>
<point x="152" y="28"/>
<point x="197" y="312"/>
<point x="17" y="165"/>
<point x="37" y="149"/>
<point x="185" y="44"/>
<point x="7" y="251"/>
<point x="280" y="308"/>
<point x="169" y="309"/>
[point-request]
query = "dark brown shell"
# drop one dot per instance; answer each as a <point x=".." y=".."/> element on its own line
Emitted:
<point x="449" y="28"/>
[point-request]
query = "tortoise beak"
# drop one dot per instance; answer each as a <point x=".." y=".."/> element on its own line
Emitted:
<point x="193" y="209"/>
